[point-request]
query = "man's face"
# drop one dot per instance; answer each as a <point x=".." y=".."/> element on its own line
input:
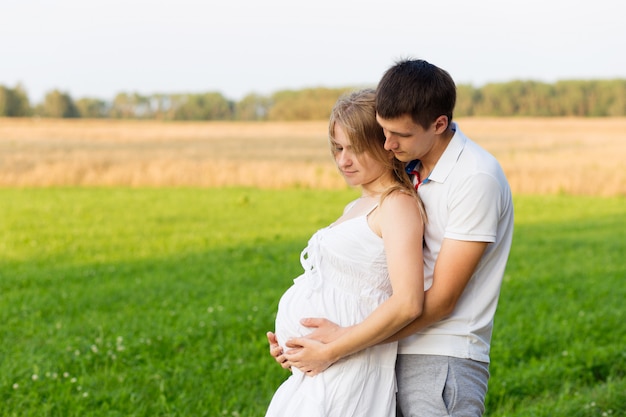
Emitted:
<point x="407" y="139"/>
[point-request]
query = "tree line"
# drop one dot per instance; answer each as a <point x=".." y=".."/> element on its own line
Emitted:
<point x="580" y="98"/>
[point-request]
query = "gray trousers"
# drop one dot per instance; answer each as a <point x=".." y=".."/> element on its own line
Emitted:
<point x="433" y="386"/>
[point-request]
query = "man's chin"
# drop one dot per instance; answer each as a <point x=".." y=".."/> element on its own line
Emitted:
<point x="403" y="157"/>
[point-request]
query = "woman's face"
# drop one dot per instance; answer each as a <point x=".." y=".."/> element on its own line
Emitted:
<point x="357" y="170"/>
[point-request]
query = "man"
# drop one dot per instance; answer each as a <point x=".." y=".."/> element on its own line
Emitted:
<point x="443" y="356"/>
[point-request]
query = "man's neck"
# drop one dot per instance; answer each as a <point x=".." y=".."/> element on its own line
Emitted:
<point x="427" y="164"/>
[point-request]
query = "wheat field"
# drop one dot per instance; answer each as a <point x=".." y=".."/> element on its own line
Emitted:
<point x="538" y="155"/>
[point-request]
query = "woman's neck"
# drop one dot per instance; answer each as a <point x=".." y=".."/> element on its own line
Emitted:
<point x="377" y="188"/>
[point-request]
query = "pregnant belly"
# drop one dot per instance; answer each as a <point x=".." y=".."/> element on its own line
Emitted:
<point x="296" y="303"/>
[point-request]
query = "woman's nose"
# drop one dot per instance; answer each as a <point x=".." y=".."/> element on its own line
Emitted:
<point x="344" y="159"/>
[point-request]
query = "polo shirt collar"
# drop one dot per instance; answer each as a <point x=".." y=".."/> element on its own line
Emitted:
<point x="448" y="159"/>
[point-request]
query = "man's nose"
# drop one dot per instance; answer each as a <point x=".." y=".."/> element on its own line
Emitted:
<point x="390" y="144"/>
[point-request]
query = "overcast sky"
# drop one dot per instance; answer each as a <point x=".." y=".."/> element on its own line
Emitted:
<point x="100" y="48"/>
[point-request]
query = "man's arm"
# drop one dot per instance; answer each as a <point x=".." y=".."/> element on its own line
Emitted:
<point x="455" y="265"/>
<point x="454" y="268"/>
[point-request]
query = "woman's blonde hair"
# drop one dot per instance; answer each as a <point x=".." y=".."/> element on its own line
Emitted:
<point x="356" y="114"/>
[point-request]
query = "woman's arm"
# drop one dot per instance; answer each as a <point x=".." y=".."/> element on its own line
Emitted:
<point x="401" y="227"/>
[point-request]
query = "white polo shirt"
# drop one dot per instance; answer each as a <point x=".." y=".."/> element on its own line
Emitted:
<point x="467" y="197"/>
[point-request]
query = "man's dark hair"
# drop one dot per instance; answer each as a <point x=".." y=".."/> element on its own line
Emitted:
<point x="417" y="88"/>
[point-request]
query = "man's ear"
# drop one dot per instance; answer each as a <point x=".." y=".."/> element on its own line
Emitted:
<point x="441" y="124"/>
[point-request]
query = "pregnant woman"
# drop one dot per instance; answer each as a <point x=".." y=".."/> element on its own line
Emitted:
<point x="364" y="271"/>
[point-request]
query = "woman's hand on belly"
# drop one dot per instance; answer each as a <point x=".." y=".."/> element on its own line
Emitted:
<point x="276" y="351"/>
<point x="308" y="355"/>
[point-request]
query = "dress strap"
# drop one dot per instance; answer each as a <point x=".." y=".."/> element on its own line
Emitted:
<point x="372" y="209"/>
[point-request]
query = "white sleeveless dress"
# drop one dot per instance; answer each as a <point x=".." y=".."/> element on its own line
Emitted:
<point x="345" y="278"/>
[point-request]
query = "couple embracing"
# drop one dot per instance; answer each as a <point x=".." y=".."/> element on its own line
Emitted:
<point x="393" y="313"/>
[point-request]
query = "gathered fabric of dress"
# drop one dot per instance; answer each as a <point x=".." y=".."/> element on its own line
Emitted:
<point x="345" y="278"/>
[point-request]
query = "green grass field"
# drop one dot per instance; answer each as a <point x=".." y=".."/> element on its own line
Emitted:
<point x="155" y="302"/>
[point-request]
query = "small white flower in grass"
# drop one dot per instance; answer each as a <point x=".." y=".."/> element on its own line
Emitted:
<point x="85" y="394"/>
<point x="16" y="386"/>
<point x="119" y="344"/>
<point x="77" y="352"/>
<point x="73" y="380"/>
<point x="35" y="377"/>
<point x="66" y="374"/>
<point x="210" y="310"/>
<point x="94" y="348"/>
<point x="564" y="353"/>
<point x="79" y="388"/>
